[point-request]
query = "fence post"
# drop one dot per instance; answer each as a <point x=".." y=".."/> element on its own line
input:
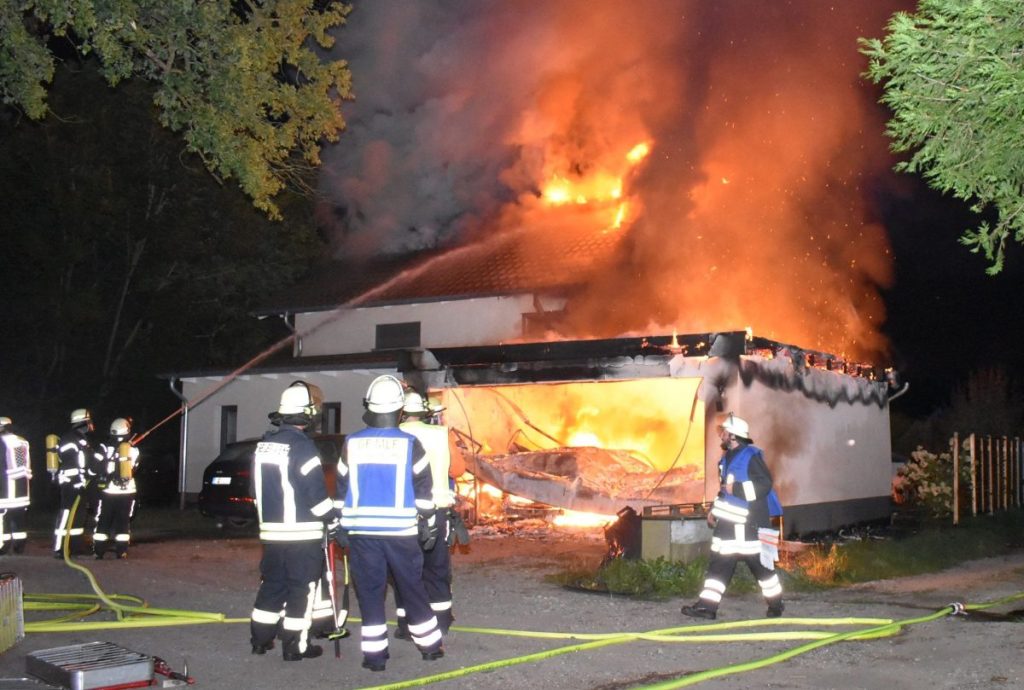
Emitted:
<point x="974" y="474"/>
<point x="989" y="484"/>
<point x="1004" y="471"/>
<point x="956" y="478"/>
<point x="1020" y="482"/>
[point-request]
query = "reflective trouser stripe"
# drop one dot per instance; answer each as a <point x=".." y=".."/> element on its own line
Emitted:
<point x="771" y="587"/>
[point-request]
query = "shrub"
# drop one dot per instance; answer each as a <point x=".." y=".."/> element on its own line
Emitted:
<point x="926" y="481"/>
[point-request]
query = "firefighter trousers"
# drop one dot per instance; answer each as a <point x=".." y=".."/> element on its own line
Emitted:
<point x="437" y="578"/>
<point x="113" y="523"/>
<point x="290" y="573"/>
<point x="721" y="569"/>
<point x="68" y="493"/>
<point x="13" y="534"/>
<point x="371" y="559"/>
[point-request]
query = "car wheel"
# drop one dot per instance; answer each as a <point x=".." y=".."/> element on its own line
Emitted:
<point x="239" y="522"/>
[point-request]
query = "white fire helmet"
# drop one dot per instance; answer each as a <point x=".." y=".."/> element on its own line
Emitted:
<point x="385" y="394"/>
<point x="301" y="398"/>
<point x="4" y="422"/>
<point x="121" y="427"/>
<point x="736" y="426"/>
<point x="414" y="403"/>
<point x="81" y="416"/>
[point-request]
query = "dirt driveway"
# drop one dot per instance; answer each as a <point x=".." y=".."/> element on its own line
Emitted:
<point x="499" y="586"/>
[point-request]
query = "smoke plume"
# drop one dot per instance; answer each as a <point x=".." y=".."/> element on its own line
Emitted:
<point x="747" y="206"/>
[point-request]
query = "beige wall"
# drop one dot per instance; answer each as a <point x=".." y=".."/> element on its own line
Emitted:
<point x="820" y="446"/>
<point x="454" y="323"/>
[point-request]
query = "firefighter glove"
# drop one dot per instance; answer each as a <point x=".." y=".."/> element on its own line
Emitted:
<point x="427" y="527"/>
<point x="332" y="527"/>
<point x="457" y="531"/>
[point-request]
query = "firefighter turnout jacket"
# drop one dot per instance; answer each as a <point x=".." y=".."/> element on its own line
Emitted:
<point x="434" y="439"/>
<point x="77" y="458"/>
<point x="291" y="497"/>
<point x="384" y="482"/>
<point x="743" y="502"/>
<point x="109" y="474"/>
<point x="15" y="472"/>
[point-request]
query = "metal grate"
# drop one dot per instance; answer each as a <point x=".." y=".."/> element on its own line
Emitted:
<point x="90" y="665"/>
<point x="12" y="618"/>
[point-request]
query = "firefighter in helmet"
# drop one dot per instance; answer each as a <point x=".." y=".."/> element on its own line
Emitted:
<point x="388" y="520"/>
<point x="437" y="565"/>
<point x="76" y="458"/>
<point x="15" y="475"/>
<point x="116" y="483"/>
<point x="741" y="518"/>
<point x="295" y="513"/>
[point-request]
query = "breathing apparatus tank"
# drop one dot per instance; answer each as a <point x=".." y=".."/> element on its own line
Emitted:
<point x="52" y="453"/>
<point x="124" y="460"/>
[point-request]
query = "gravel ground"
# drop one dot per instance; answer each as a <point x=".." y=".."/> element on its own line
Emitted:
<point x="500" y="585"/>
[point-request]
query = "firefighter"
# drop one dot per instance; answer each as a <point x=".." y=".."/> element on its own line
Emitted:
<point x="77" y="456"/>
<point x="437" y="566"/>
<point x="388" y="520"/>
<point x="741" y="518"/>
<point x="15" y="475"/>
<point x="116" y="483"/>
<point x="295" y="513"/>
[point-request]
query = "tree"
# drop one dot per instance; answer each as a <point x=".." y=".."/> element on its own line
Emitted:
<point x="241" y="81"/>
<point x="123" y="259"/>
<point x="953" y="76"/>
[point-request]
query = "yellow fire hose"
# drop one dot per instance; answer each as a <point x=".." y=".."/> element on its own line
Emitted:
<point x="138" y="614"/>
<point x="135" y="615"/>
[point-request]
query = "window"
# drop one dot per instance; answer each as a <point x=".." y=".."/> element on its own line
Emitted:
<point x="228" y="425"/>
<point x="391" y="336"/>
<point x="331" y="423"/>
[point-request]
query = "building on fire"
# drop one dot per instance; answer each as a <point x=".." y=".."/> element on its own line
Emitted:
<point x="586" y="425"/>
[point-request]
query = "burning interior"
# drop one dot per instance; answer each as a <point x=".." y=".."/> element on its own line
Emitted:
<point x="581" y="430"/>
<point x="590" y="447"/>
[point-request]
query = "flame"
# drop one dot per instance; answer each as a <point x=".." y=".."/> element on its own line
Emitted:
<point x="638" y="152"/>
<point x="600" y="186"/>
<point x="648" y="419"/>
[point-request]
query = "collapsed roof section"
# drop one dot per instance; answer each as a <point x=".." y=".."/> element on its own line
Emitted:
<point x="643" y="357"/>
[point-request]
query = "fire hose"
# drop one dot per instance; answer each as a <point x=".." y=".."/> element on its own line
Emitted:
<point x="879" y="628"/>
<point x="135" y="615"/>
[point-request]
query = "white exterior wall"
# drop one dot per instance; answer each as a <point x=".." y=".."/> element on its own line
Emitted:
<point x="450" y="323"/>
<point x="256" y="396"/>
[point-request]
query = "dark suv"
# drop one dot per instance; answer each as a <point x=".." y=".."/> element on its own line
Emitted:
<point x="227" y="493"/>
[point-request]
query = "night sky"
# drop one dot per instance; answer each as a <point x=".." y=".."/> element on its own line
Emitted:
<point x="945" y="316"/>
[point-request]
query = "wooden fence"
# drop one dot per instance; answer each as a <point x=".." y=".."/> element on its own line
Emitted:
<point x="995" y="474"/>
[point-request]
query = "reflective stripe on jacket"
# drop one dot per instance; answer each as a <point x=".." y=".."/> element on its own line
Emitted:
<point x="291" y="498"/>
<point x="384" y="480"/>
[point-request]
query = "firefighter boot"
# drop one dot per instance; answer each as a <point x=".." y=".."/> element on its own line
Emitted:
<point x="699" y="610"/>
<point x="433" y="655"/>
<point x="775" y="608"/>
<point x="262" y="647"/>
<point x="290" y="651"/>
<point x="376" y="662"/>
